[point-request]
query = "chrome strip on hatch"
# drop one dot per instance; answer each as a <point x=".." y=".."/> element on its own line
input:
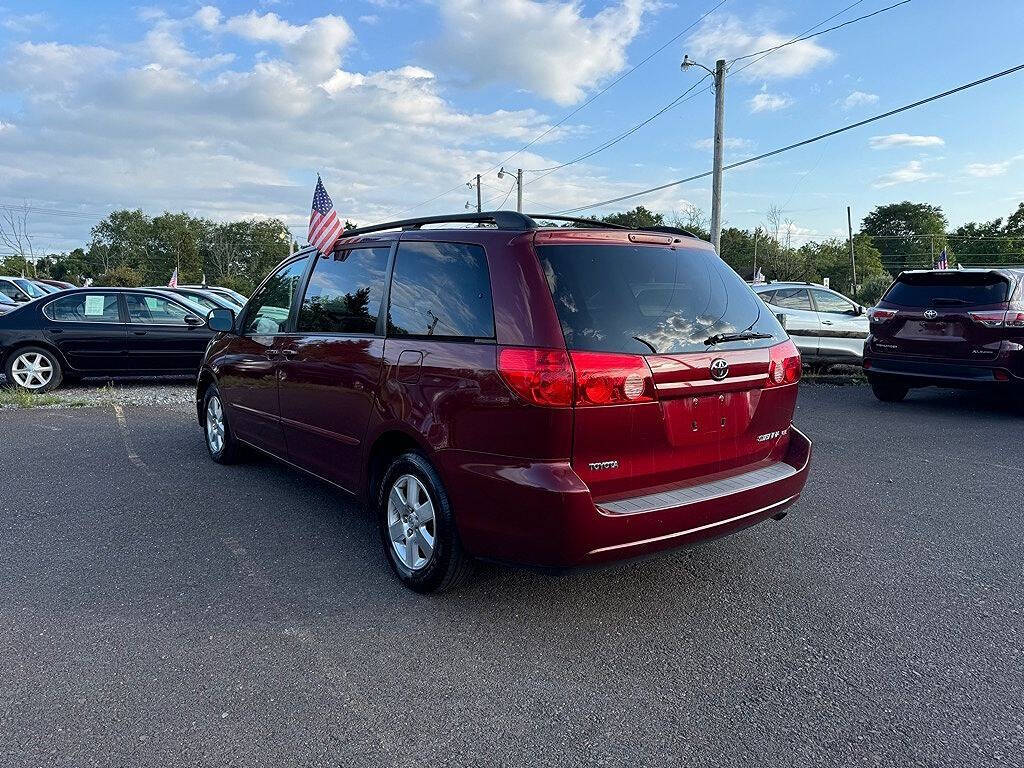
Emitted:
<point x="655" y="502"/>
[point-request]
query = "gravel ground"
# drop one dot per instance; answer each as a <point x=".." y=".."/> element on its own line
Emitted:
<point x="170" y="392"/>
<point x="157" y="609"/>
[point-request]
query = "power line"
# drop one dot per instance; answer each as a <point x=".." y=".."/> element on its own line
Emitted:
<point x="681" y="98"/>
<point x="805" y="142"/>
<point x="578" y="109"/>
<point x="821" y="32"/>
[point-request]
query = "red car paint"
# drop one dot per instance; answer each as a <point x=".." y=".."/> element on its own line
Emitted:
<point x="553" y="482"/>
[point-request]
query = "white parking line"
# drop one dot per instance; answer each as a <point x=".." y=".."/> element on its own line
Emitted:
<point x="122" y="426"/>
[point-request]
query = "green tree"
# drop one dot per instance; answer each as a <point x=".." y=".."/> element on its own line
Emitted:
<point x="638" y="218"/>
<point x="906" y="234"/>
<point x="831" y="259"/>
<point x="122" y="277"/>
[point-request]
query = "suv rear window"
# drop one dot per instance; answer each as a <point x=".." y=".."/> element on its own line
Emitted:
<point x="945" y="289"/>
<point x="644" y="299"/>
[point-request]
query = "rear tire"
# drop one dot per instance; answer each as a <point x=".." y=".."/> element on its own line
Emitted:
<point x="417" y="527"/>
<point x="888" y="390"/>
<point x="220" y="441"/>
<point x="33" y="369"/>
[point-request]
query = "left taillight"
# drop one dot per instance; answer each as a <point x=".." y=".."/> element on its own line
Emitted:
<point x="539" y="376"/>
<point x="784" y="366"/>
<point x="604" y="378"/>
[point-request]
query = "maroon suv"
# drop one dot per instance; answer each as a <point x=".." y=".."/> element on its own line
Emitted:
<point x="551" y="396"/>
<point x="948" y="328"/>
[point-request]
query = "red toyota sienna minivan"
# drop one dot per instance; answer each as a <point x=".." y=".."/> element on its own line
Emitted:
<point x="544" y="395"/>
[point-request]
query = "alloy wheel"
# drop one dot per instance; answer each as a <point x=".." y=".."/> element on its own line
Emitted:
<point x="411" y="523"/>
<point x="215" y="425"/>
<point x="32" y="370"/>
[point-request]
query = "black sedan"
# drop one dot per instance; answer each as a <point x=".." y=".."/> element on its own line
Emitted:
<point x="101" y="332"/>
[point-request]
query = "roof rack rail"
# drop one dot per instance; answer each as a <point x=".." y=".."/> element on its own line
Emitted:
<point x="608" y="225"/>
<point x="500" y="219"/>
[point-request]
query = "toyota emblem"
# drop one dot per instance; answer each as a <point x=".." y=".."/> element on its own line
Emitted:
<point x="719" y="369"/>
<point x="931" y="314"/>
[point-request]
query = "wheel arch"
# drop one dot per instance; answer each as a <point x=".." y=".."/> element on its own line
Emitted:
<point x="385" y="447"/>
<point x="23" y="343"/>
<point x="205" y="380"/>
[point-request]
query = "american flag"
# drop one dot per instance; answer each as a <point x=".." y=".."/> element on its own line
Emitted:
<point x="173" y="282"/>
<point x="943" y="262"/>
<point x="324" y="224"/>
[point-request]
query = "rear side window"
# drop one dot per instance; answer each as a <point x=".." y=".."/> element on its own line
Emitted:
<point x="344" y="292"/>
<point x="949" y="289"/>
<point x="641" y="299"/>
<point x="442" y="290"/>
<point x="793" y="298"/>
<point x="84" y="308"/>
<point x="269" y="307"/>
<point x="829" y="302"/>
<point x="10" y="290"/>
<point x="154" y="310"/>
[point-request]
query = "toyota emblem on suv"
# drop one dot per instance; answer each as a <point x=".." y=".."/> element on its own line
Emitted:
<point x="931" y="314"/>
<point x="719" y="369"/>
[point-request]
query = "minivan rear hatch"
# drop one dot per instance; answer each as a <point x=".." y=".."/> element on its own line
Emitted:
<point x="664" y="393"/>
<point x="942" y="314"/>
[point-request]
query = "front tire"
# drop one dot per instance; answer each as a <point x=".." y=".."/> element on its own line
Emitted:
<point x="417" y="527"/>
<point x="220" y="441"/>
<point x="888" y="390"/>
<point x="34" y="369"/>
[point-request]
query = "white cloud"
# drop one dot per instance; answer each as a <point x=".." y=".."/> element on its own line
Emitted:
<point x="22" y="23"/>
<point x="369" y="19"/>
<point x="905" y="140"/>
<point x="769" y="102"/>
<point x="988" y="170"/>
<point x="549" y="48"/>
<point x="912" y="171"/>
<point x="730" y="142"/>
<point x="858" y="99"/>
<point x="731" y="37"/>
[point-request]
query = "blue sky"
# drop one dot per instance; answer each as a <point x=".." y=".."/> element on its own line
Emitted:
<point x="230" y="109"/>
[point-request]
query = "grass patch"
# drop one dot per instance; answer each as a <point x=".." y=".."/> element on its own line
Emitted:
<point x="15" y="397"/>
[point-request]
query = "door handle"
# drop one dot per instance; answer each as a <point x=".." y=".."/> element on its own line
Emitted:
<point x="287" y="352"/>
<point x="140" y="333"/>
<point x="826" y="322"/>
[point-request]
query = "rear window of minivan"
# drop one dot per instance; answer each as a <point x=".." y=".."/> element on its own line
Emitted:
<point x="649" y="299"/>
<point x="952" y="288"/>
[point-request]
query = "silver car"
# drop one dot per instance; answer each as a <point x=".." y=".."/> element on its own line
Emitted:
<point x="826" y="326"/>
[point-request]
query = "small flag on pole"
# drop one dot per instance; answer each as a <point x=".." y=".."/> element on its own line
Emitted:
<point x="943" y="262"/>
<point x="759" y="276"/>
<point x="174" y="279"/>
<point x="324" y="225"/>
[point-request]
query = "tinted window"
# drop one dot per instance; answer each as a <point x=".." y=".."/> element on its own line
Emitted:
<point x="269" y="307"/>
<point x="767" y="296"/>
<point x="793" y="298"/>
<point x="949" y="289"/>
<point x="829" y="302"/>
<point x="441" y="289"/>
<point x="202" y="301"/>
<point x="619" y="298"/>
<point x="30" y="288"/>
<point x="344" y="292"/>
<point x="84" y="308"/>
<point x="154" y="310"/>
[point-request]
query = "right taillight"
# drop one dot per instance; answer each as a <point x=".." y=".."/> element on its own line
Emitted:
<point x="604" y="378"/>
<point x="1010" y="318"/>
<point x="784" y="364"/>
<point x="876" y="315"/>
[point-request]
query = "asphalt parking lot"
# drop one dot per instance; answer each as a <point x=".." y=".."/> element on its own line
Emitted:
<point x="158" y="609"/>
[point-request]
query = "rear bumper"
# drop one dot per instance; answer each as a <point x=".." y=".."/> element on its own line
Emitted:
<point x="544" y="515"/>
<point x="923" y="372"/>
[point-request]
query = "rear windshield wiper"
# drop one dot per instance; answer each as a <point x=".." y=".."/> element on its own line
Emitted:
<point x="646" y="343"/>
<point x="718" y="338"/>
<point x="942" y="301"/>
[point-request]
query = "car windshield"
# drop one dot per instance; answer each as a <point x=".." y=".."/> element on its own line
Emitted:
<point x="4" y="299"/>
<point x="30" y="288"/>
<point x="644" y="299"/>
<point x="949" y="289"/>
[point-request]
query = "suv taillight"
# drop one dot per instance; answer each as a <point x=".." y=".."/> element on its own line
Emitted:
<point x="784" y="365"/>
<point x="1009" y="318"/>
<point x="604" y="378"/>
<point x="876" y="315"/>
<point x="550" y="377"/>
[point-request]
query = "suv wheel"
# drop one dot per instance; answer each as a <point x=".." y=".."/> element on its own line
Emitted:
<point x="417" y="527"/>
<point x="34" y="369"/>
<point x="220" y="442"/>
<point x="888" y="390"/>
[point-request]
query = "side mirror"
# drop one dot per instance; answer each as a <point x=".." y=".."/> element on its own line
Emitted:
<point x="192" y="321"/>
<point x="21" y="298"/>
<point x="860" y="310"/>
<point x="221" y="320"/>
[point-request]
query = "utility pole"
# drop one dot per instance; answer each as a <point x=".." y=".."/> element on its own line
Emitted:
<point x="853" y="258"/>
<point x="519" y="190"/>
<point x="479" y="202"/>
<point x="716" y="179"/>
<point x="754" y="278"/>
